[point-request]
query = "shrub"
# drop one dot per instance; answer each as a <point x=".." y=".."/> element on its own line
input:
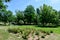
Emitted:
<point x="43" y="36"/>
<point x="48" y="33"/>
<point x="13" y="30"/>
<point x="43" y="31"/>
<point x="24" y="37"/>
<point x="51" y="31"/>
<point x="36" y="33"/>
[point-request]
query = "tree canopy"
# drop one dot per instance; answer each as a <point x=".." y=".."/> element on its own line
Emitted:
<point x="45" y="15"/>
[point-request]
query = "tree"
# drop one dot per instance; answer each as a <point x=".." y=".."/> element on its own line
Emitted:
<point x="5" y="17"/>
<point x="0" y="16"/>
<point x="19" y="16"/>
<point x="35" y="21"/>
<point x="38" y="11"/>
<point x="56" y="17"/>
<point x="29" y="14"/>
<point x="7" y="0"/>
<point x="3" y="10"/>
<point x="48" y="15"/>
<point x="59" y="14"/>
<point x="9" y="16"/>
<point x="38" y="14"/>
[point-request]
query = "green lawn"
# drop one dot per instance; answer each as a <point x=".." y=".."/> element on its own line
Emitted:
<point x="55" y="30"/>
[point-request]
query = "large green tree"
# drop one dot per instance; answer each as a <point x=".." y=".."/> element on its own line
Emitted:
<point x="3" y="10"/>
<point x="48" y="15"/>
<point x="29" y="14"/>
<point x="19" y="16"/>
<point x="38" y="14"/>
<point x="9" y="16"/>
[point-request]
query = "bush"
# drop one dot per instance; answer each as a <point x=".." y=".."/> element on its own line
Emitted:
<point x="13" y="30"/>
<point x="36" y="33"/>
<point x="24" y="37"/>
<point x="48" y="33"/>
<point x="21" y="22"/>
<point x="47" y="25"/>
<point x="51" y="31"/>
<point x="42" y="36"/>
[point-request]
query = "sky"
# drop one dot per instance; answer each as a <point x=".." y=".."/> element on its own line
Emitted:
<point x="22" y="4"/>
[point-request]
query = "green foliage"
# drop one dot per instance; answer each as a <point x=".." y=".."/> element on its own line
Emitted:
<point x="4" y="14"/>
<point x="9" y="14"/>
<point x="36" y="33"/>
<point x="14" y="30"/>
<point x="48" y="15"/>
<point x="29" y="14"/>
<point x="7" y="0"/>
<point x="43" y="16"/>
<point x="19" y="16"/>
<point x="38" y="11"/>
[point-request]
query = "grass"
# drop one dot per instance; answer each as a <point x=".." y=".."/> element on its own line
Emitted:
<point x="3" y="35"/>
<point x="24" y="31"/>
<point x="55" y="30"/>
